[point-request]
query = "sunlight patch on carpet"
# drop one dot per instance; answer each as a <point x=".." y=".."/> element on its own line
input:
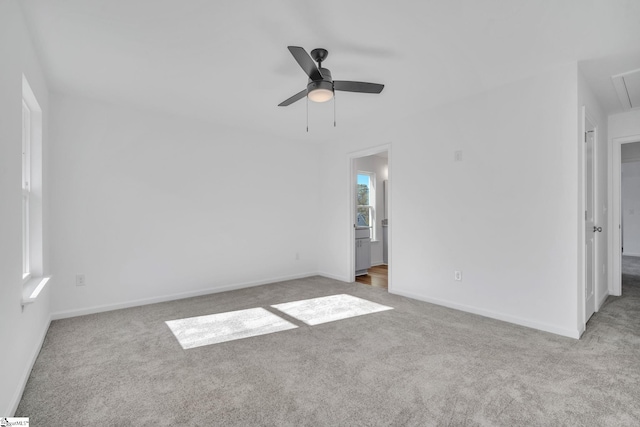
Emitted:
<point x="195" y="332"/>
<point x="328" y="309"/>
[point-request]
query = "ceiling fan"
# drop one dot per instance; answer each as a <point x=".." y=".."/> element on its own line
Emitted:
<point x="321" y="86"/>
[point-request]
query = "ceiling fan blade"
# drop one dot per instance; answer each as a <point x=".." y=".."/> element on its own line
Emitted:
<point x="362" y="87"/>
<point x="298" y="96"/>
<point x="305" y="61"/>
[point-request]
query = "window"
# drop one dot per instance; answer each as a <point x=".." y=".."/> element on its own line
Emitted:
<point x="26" y="188"/>
<point x="366" y="201"/>
<point x="32" y="251"/>
<point x="33" y="279"/>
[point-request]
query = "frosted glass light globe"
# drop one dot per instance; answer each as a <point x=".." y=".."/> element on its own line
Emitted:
<point x="320" y="95"/>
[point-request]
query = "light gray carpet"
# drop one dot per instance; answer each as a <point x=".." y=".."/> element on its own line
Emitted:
<point x="418" y="364"/>
<point x="630" y="266"/>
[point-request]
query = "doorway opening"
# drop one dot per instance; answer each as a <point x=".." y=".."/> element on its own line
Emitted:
<point x="369" y="217"/>
<point x="626" y="211"/>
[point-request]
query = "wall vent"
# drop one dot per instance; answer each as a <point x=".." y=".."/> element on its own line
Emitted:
<point x="628" y="88"/>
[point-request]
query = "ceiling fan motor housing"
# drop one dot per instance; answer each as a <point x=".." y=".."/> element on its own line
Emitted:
<point x="326" y="75"/>
<point x="321" y="84"/>
<point x="325" y="83"/>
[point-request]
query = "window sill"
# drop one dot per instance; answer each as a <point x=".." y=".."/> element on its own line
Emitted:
<point x="375" y="241"/>
<point x="32" y="289"/>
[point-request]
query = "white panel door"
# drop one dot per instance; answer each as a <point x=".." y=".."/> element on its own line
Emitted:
<point x="589" y="223"/>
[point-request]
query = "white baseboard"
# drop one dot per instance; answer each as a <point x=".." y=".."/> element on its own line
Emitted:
<point x="27" y="372"/>
<point x="631" y="254"/>
<point x="334" y="277"/>
<point x="494" y="315"/>
<point x="153" y="300"/>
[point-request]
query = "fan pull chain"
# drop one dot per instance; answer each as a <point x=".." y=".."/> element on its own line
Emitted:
<point x="334" y="109"/>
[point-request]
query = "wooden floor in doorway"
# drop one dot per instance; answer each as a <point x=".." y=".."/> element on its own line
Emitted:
<point x="377" y="276"/>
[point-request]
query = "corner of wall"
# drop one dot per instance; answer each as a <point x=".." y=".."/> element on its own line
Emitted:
<point x="24" y="333"/>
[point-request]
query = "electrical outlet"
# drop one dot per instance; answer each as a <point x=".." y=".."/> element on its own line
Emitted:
<point x="457" y="156"/>
<point x="297" y="256"/>
<point x="457" y="276"/>
<point x="80" y="280"/>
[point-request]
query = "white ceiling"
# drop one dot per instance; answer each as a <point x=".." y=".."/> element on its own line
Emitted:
<point x="628" y="88"/>
<point x="226" y="61"/>
<point x="598" y="73"/>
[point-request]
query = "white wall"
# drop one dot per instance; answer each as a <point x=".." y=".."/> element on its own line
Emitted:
<point x="506" y="215"/>
<point x="151" y="207"/>
<point x="624" y="124"/>
<point x="630" y="194"/>
<point x="377" y="165"/>
<point x="21" y="331"/>
<point x="586" y="98"/>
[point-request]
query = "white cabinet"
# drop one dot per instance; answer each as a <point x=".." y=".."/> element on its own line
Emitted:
<point x="363" y="251"/>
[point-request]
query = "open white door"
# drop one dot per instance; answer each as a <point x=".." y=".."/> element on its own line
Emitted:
<point x="590" y="228"/>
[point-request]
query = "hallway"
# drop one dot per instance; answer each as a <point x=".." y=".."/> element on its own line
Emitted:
<point x="619" y="314"/>
<point x="377" y="276"/>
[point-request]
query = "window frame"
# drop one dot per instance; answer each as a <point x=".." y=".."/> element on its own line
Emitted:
<point x="33" y="272"/>
<point x="26" y="191"/>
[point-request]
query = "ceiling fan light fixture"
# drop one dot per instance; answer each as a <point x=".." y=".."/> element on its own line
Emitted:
<point x="321" y="87"/>
<point x="320" y="95"/>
